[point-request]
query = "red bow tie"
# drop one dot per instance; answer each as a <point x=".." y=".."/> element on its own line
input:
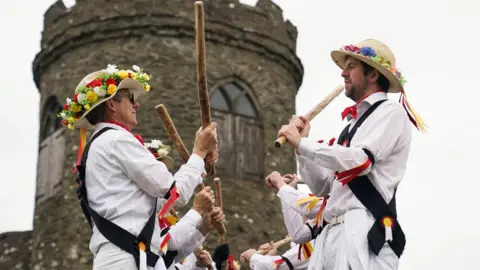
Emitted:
<point x="350" y="110"/>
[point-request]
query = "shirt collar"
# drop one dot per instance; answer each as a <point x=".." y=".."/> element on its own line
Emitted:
<point x="101" y="125"/>
<point x="367" y="102"/>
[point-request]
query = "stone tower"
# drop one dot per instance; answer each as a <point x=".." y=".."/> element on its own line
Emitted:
<point x="253" y="75"/>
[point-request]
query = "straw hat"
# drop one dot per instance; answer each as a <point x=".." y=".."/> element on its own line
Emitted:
<point x="375" y="54"/>
<point x="160" y="151"/>
<point x="98" y="87"/>
<point x="380" y="57"/>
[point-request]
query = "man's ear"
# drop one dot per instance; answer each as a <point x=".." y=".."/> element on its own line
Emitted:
<point x="109" y="105"/>
<point x="374" y="75"/>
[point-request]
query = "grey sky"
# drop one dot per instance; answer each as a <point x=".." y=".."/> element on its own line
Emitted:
<point x="434" y="49"/>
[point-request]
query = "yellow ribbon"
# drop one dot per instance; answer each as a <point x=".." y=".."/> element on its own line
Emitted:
<point x="422" y="126"/>
<point x="311" y="199"/>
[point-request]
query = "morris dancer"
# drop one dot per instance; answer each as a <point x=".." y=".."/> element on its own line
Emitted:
<point x="363" y="169"/>
<point x="301" y="230"/>
<point x="121" y="180"/>
<point x="194" y="226"/>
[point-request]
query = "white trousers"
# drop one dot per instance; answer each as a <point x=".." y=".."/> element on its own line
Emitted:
<point x="111" y="257"/>
<point x="345" y="246"/>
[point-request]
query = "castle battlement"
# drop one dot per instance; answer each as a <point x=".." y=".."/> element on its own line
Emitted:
<point x="259" y="28"/>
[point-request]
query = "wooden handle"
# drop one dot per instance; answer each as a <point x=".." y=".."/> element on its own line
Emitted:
<point x="218" y="192"/>
<point x="202" y="73"/>
<point x="315" y="111"/>
<point x="277" y="244"/>
<point x="173" y="134"/>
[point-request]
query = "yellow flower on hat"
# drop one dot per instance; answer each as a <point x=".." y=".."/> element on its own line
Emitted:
<point x="122" y="74"/>
<point x="145" y="77"/>
<point x="75" y="107"/>
<point x="147" y="87"/>
<point x="92" y="96"/>
<point x="86" y="107"/>
<point x="112" y="88"/>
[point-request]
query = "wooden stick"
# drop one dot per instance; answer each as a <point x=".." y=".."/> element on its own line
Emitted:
<point x="277" y="244"/>
<point x="219" y="202"/>
<point x="174" y="137"/>
<point x="180" y="146"/>
<point x="202" y="72"/>
<point x="218" y="192"/>
<point x="315" y="111"/>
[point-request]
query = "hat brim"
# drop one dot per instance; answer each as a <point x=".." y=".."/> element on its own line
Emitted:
<point x="134" y="86"/>
<point x="168" y="161"/>
<point x="339" y="57"/>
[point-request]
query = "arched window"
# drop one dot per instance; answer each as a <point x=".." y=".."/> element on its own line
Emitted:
<point x="51" y="154"/>
<point x="240" y="132"/>
<point x="50" y="122"/>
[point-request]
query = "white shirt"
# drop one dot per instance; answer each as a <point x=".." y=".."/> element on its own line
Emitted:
<point x="386" y="133"/>
<point x="292" y="213"/>
<point x="123" y="180"/>
<point x="267" y="262"/>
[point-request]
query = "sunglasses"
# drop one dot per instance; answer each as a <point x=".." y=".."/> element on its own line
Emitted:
<point x="131" y="98"/>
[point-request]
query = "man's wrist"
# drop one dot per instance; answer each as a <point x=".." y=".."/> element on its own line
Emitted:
<point x="280" y="185"/>
<point x="199" y="152"/>
<point x="199" y="211"/>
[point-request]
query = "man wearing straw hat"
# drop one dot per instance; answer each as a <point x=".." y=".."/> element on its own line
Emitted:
<point x="364" y="166"/>
<point x="120" y="180"/>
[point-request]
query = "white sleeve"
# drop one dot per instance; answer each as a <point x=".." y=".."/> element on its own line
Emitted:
<point x="304" y="204"/>
<point x="318" y="179"/>
<point x="190" y="264"/>
<point x="296" y="229"/>
<point x="180" y="233"/>
<point x="153" y="176"/>
<point x="266" y="262"/>
<point x="195" y="240"/>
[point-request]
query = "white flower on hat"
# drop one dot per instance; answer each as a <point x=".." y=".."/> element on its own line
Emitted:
<point x="136" y="68"/>
<point x="69" y="101"/>
<point x="81" y="98"/>
<point x="111" y="69"/>
<point x="155" y="144"/>
<point x="162" y="152"/>
<point x="101" y="92"/>
<point x="63" y="115"/>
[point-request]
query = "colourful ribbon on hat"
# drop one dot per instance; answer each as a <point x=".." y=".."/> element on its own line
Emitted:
<point x="81" y="147"/>
<point x="414" y="117"/>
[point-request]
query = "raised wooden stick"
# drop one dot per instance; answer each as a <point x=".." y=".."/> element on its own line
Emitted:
<point x="218" y="192"/>
<point x="202" y="73"/>
<point x="175" y="138"/>
<point x="315" y="111"/>
<point x="219" y="202"/>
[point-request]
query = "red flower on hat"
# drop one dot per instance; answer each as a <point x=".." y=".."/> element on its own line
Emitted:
<point x="351" y="48"/>
<point x="95" y="83"/>
<point x="65" y="107"/>
<point x="75" y="97"/>
<point x="111" y="81"/>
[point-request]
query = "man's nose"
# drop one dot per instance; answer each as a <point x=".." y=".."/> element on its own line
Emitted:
<point x="136" y="105"/>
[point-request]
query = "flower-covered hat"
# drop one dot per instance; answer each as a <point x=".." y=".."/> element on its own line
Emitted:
<point x="380" y="57"/>
<point x="160" y="151"/>
<point x="98" y="87"/>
